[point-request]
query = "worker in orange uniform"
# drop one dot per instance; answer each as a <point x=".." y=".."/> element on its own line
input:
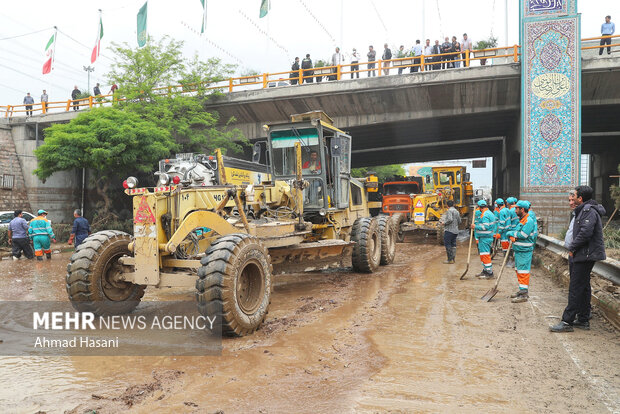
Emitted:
<point x="484" y="229"/>
<point x="523" y="239"/>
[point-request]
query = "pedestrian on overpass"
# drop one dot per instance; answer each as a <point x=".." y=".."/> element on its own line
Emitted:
<point x="28" y="101"/>
<point x="294" y="75"/>
<point x="523" y="238"/>
<point x="450" y="220"/>
<point x="40" y="232"/>
<point x="586" y="248"/>
<point x="607" y="29"/>
<point x="484" y="229"/>
<point x="307" y="74"/>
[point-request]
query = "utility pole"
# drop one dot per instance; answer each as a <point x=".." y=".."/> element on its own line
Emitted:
<point x="506" y="22"/>
<point x="423" y="21"/>
<point x="89" y="69"/>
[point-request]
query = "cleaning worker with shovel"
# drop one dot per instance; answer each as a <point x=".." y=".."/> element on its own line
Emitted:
<point x="523" y="239"/>
<point x="505" y="224"/>
<point x="484" y="229"/>
<point x="499" y="206"/>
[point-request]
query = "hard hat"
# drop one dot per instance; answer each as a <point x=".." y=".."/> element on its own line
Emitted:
<point x="523" y="204"/>
<point x="482" y="203"/>
<point x="41" y="212"/>
<point x="511" y="200"/>
<point x="499" y="201"/>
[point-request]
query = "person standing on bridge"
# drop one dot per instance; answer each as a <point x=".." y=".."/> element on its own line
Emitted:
<point x="337" y="60"/>
<point x="387" y="55"/>
<point x="437" y="55"/>
<point x="465" y="46"/>
<point x="417" y="52"/>
<point x="307" y="64"/>
<point x="428" y="50"/>
<point x="355" y="59"/>
<point x="75" y="93"/>
<point x="295" y="71"/>
<point x="484" y="228"/>
<point x="44" y="100"/>
<point x="371" y="55"/>
<point x="586" y="248"/>
<point x="40" y="232"/>
<point x="28" y="101"/>
<point x="446" y="48"/>
<point x="607" y="29"/>
<point x="523" y="238"/>
<point x="450" y="220"/>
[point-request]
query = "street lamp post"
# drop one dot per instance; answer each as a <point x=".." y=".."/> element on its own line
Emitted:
<point x="89" y="69"/>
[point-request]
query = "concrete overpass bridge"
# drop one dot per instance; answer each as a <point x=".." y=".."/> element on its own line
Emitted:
<point x="425" y="116"/>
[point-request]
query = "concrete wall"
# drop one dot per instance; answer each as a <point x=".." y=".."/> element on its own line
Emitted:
<point x="60" y="194"/>
<point x="16" y="197"/>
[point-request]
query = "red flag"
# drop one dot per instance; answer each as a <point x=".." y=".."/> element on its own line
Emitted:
<point x="47" y="66"/>
<point x="97" y="48"/>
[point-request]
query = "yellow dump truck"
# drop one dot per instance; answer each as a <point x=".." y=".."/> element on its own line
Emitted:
<point x="449" y="183"/>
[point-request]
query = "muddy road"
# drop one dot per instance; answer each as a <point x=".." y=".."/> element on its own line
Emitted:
<point x="410" y="338"/>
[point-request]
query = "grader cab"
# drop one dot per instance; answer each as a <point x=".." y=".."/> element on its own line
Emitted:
<point x="201" y="228"/>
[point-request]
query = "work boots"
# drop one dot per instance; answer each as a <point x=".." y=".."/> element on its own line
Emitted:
<point x="40" y="258"/>
<point x="521" y="296"/>
<point x="451" y="252"/>
<point x="48" y="255"/>
<point x="486" y="274"/>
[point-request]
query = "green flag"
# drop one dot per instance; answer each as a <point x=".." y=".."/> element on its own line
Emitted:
<point x="142" y="25"/>
<point x="265" y="5"/>
<point x="204" y="15"/>
<point x="50" y="42"/>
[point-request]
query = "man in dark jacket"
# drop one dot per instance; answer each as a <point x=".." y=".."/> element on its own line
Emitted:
<point x="81" y="229"/>
<point x="307" y="74"/>
<point x="586" y="248"/>
<point x="294" y="75"/>
<point x="74" y="95"/>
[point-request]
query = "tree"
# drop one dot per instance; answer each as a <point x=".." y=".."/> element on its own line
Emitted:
<point x="112" y="142"/>
<point x="137" y="72"/>
<point x="382" y="172"/>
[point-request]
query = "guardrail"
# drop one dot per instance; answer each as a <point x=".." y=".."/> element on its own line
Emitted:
<point x="422" y="63"/>
<point x="608" y="269"/>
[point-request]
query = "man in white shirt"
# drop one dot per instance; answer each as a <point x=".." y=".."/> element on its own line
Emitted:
<point x="417" y="52"/>
<point x="355" y="59"/>
<point x="428" y="50"/>
<point x="337" y="59"/>
<point x="465" y="45"/>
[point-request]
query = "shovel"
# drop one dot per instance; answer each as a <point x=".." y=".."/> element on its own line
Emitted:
<point x="489" y="295"/>
<point x="471" y="237"/>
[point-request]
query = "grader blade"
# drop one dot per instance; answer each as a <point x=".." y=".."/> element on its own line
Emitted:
<point x="312" y="256"/>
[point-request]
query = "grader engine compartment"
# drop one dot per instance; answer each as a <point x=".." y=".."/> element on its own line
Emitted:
<point x="219" y="225"/>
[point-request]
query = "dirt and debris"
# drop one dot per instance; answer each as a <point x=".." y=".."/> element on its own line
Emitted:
<point x="410" y="338"/>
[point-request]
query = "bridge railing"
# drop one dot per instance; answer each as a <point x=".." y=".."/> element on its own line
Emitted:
<point x="590" y="47"/>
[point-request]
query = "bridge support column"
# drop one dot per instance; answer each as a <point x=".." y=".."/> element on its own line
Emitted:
<point x="550" y="107"/>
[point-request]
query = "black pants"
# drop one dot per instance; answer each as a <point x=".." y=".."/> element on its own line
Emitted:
<point x="606" y="41"/>
<point x="310" y="79"/>
<point x="579" y="292"/>
<point x="354" y="68"/>
<point x="371" y="72"/>
<point x="28" y="110"/>
<point x="416" y="61"/>
<point x="20" y="245"/>
<point x="449" y="239"/>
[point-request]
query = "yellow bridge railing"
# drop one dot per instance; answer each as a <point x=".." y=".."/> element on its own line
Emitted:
<point x="422" y="63"/>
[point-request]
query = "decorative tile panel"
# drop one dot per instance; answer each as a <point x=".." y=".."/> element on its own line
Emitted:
<point x="551" y="70"/>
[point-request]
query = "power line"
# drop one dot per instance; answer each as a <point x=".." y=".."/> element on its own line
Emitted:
<point x="10" y="87"/>
<point x="212" y="43"/>
<point x="83" y="45"/>
<point x="264" y="33"/>
<point x="318" y="22"/>
<point x="379" y="16"/>
<point x="26" y="34"/>
<point x="30" y="76"/>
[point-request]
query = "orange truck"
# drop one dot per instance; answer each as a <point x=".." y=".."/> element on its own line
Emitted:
<point x="398" y="196"/>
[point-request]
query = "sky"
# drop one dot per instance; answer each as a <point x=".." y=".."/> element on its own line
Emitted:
<point x="236" y="34"/>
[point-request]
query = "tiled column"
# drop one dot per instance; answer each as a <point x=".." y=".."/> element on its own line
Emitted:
<point x="550" y="106"/>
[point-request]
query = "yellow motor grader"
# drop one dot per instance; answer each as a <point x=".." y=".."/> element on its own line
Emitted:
<point x="201" y="229"/>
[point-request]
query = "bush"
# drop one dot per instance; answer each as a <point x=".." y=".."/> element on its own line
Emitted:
<point x="4" y="237"/>
<point x="612" y="237"/>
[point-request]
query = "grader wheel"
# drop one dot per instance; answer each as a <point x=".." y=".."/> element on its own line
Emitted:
<point x="92" y="282"/>
<point x="235" y="283"/>
<point x="440" y="233"/>
<point x="367" y="250"/>
<point x="387" y="229"/>
<point x="399" y="219"/>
